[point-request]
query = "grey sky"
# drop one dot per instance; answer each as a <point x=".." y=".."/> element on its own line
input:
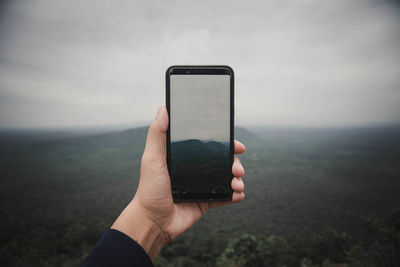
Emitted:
<point x="311" y="62"/>
<point x="200" y="107"/>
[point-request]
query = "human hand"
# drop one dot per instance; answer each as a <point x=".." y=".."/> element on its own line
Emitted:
<point x="152" y="218"/>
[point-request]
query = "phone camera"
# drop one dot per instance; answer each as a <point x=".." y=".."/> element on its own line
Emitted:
<point x="187" y="70"/>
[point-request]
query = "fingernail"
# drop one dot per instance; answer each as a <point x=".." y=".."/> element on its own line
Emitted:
<point x="158" y="112"/>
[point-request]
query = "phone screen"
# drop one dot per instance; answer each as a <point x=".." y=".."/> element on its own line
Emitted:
<point x="200" y="152"/>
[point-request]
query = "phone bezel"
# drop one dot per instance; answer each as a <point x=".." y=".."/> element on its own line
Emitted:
<point x="202" y="70"/>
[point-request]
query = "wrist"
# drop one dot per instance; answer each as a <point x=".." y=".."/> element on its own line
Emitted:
<point x="134" y="222"/>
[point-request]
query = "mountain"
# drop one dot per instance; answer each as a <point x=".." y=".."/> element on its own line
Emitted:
<point x="200" y="168"/>
<point x="58" y="192"/>
<point x="199" y="148"/>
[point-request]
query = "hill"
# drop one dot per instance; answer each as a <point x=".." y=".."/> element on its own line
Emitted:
<point x="305" y="189"/>
<point x="200" y="168"/>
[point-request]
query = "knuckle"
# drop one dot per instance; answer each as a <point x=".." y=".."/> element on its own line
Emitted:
<point x="149" y="159"/>
<point x="152" y="126"/>
<point x="154" y="163"/>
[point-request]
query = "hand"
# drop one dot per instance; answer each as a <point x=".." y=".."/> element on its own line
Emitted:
<point x="152" y="218"/>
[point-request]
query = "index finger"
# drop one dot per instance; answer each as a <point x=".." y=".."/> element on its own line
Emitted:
<point x="239" y="147"/>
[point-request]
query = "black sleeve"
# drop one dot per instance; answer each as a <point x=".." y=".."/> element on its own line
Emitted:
<point x="117" y="249"/>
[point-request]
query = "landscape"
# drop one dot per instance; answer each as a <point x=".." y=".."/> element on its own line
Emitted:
<point x="314" y="197"/>
<point x="200" y="168"/>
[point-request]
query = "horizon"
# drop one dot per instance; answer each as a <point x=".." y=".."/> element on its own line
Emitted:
<point x="251" y="128"/>
<point x="316" y="105"/>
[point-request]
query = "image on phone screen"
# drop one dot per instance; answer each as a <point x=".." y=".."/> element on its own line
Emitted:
<point x="200" y="135"/>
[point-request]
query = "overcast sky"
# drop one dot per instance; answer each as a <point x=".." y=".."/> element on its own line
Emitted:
<point x="200" y="107"/>
<point x="297" y="63"/>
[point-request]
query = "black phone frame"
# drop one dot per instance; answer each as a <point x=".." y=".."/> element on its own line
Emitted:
<point x="202" y="70"/>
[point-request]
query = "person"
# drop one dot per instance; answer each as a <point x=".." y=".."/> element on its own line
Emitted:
<point x="152" y="219"/>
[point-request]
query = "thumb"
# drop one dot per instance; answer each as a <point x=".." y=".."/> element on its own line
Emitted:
<point x="156" y="137"/>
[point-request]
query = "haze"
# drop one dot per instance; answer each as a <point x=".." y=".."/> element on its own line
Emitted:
<point x="200" y="107"/>
<point x="297" y="63"/>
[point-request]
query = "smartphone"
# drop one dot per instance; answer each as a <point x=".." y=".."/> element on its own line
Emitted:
<point x="200" y="104"/>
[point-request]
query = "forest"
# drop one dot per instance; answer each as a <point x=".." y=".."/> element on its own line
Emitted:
<point x="314" y="197"/>
<point x="200" y="169"/>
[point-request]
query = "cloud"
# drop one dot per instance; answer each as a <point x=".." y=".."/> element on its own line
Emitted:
<point x="195" y="116"/>
<point x="309" y="63"/>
